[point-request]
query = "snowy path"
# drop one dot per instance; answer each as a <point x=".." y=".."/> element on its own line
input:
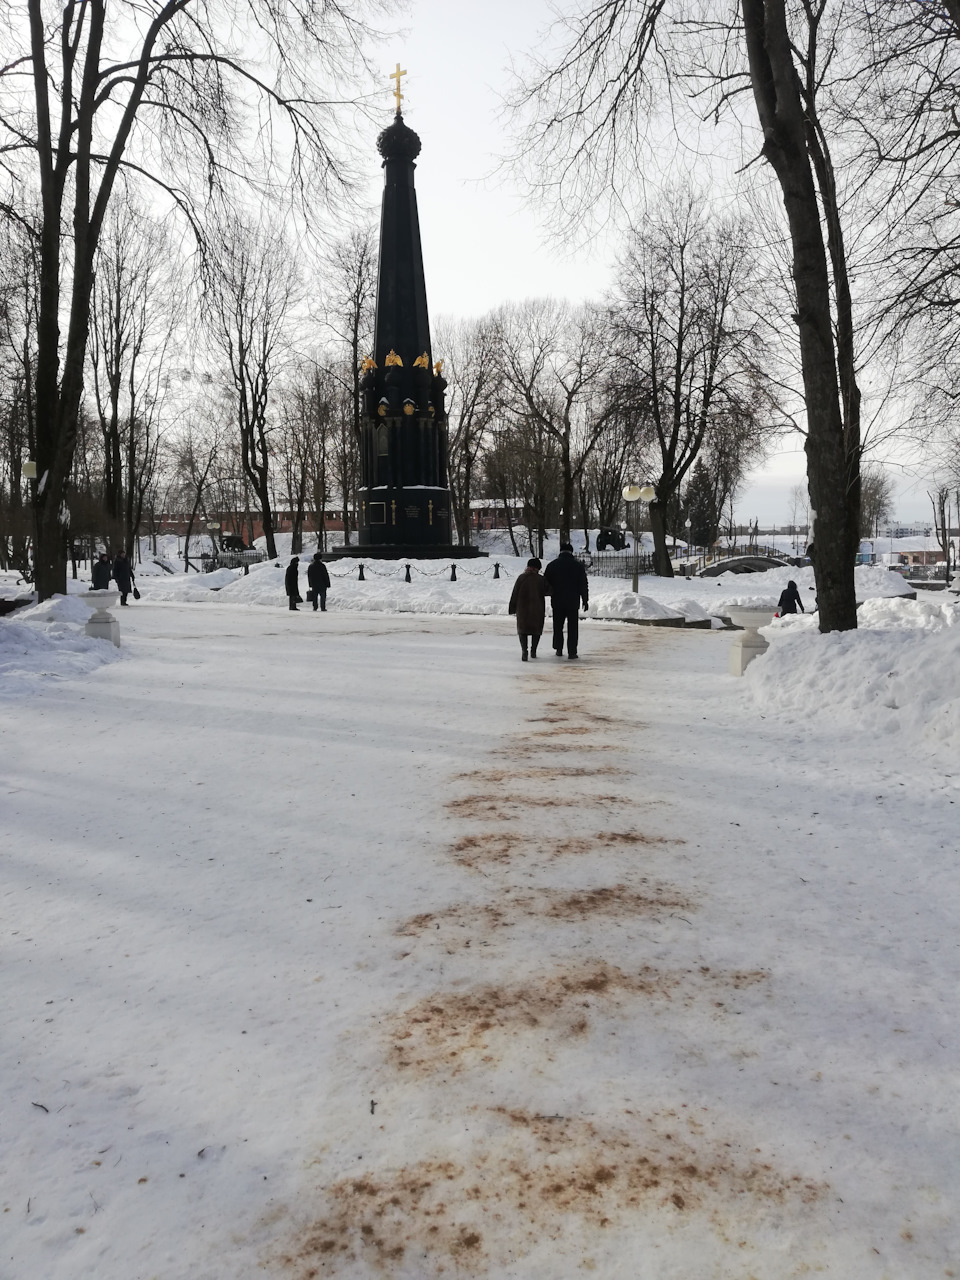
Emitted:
<point x="353" y="946"/>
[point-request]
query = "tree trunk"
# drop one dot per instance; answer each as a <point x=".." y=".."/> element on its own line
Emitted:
<point x="831" y="471"/>
<point x="662" y="564"/>
<point x="567" y="483"/>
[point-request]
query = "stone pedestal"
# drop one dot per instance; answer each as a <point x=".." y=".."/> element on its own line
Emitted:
<point x="749" y="644"/>
<point x="102" y="625"/>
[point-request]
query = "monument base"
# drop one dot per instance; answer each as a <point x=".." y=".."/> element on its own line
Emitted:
<point x="405" y="551"/>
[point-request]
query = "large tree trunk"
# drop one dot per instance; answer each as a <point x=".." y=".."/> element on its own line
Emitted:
<point x="832" y="460"/>
<point x="567" y="482"/>
<point x="661" y="556"/>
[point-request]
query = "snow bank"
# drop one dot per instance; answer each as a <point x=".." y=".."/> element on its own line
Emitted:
<point x="899" y="672"/>
<point x="189" y="587"/>
<point x="477" y="592"/>
<point x="626" y="605"/>
<point x="384" y="590"/>
<point x="46" y="642"/>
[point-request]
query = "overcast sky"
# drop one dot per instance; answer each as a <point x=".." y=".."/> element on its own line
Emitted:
<point x="481" y="244"/>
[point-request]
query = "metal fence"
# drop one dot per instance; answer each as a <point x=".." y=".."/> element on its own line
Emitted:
<point x="231" y="560"/>
<point x="614" y="564"/>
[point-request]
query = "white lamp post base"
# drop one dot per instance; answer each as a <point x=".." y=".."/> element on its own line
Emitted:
<point x="102" y="625"/>
<point x="749" y="643"/>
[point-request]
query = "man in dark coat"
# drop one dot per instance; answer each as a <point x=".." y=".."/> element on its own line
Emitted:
<point x="102" y="574"/>
<point x="319" y="582"/>
<point x="566" y="580"/>
<point x="291" y="583"/>
<point x="528" y="602"/>
<point x="789" y="599"/>
<point x="123" y="575"/>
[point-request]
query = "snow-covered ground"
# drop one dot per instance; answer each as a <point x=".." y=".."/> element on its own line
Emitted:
<point x="349" y="945"/>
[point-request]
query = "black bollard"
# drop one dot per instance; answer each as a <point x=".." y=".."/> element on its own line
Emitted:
<point x="496" y="570"/>
<point x="406" y="576"/>
<point x="453" y="573"/>
<point x="361" y="578"/>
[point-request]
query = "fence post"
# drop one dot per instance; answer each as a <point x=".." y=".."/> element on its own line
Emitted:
<point x="361" y="578"/>
<point x="406" y="576"/>
<point x="453" y="573"/>
<point x="496" y="570"/>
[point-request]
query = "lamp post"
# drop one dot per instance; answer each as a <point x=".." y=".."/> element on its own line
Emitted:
<point x="633" y="493"/>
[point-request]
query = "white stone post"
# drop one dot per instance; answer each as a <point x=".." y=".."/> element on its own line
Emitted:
<point x="102" y="625"/>
<point x="748" y="643"/>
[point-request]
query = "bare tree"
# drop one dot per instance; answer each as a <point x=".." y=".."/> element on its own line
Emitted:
<point x="308" y="403"/>
<point x="19" y="281"/>
<point x="587" y="113"/>
<point x="93" y="96"/>
<point x="134" y="313"/>
<point x="940" y="501"/>
<point x="472" y="399"/>
<point x="876" y="498"/>
<point x="692" y="357"/>
<point x="799" y="514"/>
<point x="552" y="365"/>
<point x="618" y="458"/>
<point x="253" y="284"/>
<point x="349" y="285"/>
<point x="193" y="459"/>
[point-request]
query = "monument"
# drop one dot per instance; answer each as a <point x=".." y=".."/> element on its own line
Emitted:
<point x="403" y="502"/>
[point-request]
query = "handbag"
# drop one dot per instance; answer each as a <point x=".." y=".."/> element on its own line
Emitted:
<point x="136" y="594"/>
<point x="311" y="596"/>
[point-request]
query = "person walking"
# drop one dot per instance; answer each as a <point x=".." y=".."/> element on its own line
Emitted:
<point x="318" y="579"/>
<point x="102" y="574"/>
<point x="291" y="584"/>
<point x="789" y="599"/>
<point x="123" y="575"/>
<point x="528" y="601"/>
<point x="566" y="580"/>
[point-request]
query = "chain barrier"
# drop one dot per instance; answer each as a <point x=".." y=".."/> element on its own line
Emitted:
<point x="363" y="568"/>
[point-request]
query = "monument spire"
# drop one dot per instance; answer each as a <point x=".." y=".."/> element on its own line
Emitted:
<point x="403" y="499"/>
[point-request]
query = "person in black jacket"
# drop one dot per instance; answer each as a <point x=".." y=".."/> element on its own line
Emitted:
<point x="319" y="582"/>
<point x="123" y="575"/>
<point x="567" y="580"/>
<point x="291" y="583"/>
<point x="102" y="573"/>
<point x="789" y="599"/>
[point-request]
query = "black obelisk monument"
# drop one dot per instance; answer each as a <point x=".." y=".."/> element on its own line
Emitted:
<point x="403" y="501"/>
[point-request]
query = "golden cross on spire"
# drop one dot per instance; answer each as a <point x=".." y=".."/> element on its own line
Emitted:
<point x="395" y="75"/>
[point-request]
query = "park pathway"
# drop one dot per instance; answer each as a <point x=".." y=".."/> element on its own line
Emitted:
<point x="549" y="1079"/>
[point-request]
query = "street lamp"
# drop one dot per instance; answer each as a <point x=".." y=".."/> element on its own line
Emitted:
<point x="635" y="493"/>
